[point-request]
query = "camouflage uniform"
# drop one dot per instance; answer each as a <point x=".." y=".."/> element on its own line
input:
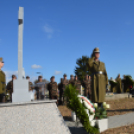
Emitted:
<point x="10" y="89"/>
<point x="87" y="88"/>
<point x="77" y="84"/>
<point x="2" y="85"/>
<point x="64" y="83"/>
<point x="71" y="82"/>
<point x="30" y="86"/>
<point x="53" y="93"/>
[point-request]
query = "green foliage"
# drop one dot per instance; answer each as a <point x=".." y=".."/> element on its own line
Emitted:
<point x="100" y="113"/>
<point x="112" y="83"/>
<point x="75" y="105"/>
<point x="129" y="80"/>
<point x="81" y="69"/>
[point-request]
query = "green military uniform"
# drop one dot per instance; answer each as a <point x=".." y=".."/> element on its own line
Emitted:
<point x="10" y="89"/>
<point x="87" y="87"/>
<point x="77" y="84"/>
<point x="99" y="79"/>
<point x="118" y="87"/>
<point x="2" y="85"/>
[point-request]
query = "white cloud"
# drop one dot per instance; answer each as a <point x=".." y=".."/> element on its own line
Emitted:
<point x="57" y="72"/>
<point x="36" y="66"/>
<point x="48" y="30"/>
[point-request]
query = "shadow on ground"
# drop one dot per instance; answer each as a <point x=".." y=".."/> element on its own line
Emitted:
<point x="120" y="110"/>
<point x="77" y="130"/>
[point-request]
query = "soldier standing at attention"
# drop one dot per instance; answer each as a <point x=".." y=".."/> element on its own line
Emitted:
<point x="119" y="84"/>
<point x="30" y="83"/>
<point x="10" y="86"/>
<point x="99" y="77"/>
<point x="71" y="81"/>
<point x="2" y="82"/>
<point x="86" y="84"/>
<point x="77" y="84"/>
<point x="53" y="89"/>
<point x="64" y="83"/>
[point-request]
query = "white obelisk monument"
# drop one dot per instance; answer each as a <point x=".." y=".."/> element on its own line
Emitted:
<point x="20" y="86"/>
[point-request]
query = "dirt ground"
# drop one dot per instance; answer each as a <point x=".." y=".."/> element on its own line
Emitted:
<point x="117" y="107"/>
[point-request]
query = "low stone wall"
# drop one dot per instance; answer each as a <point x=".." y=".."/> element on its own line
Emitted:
<point x="117" y="96"/>
<point x="38" y="117"/>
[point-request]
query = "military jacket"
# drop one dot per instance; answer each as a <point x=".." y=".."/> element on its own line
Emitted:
<point x="77" y="83"/>
<point x="10" y="86"/>
<point x="71" y="82"/>
<point x="52" y="87"/>
<point x="2" y="82"/>
<point x="64" y="83"/>
<point x="86" y="84"/>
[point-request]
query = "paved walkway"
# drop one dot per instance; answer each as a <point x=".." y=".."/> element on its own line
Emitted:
<point x="113" y="122"/>
<point x="120" y="120"/>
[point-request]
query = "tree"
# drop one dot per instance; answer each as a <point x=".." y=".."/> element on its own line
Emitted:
<point x="81" y="69"/>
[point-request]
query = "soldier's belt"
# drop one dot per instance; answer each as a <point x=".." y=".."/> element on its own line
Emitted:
<point x="100" y="72"/>
<point x="3" y="82"/>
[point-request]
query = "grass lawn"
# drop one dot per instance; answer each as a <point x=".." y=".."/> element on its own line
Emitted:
<point x="117" y="107"/>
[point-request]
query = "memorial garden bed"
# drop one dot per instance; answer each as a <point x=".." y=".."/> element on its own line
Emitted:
<point x="117" y="107"/>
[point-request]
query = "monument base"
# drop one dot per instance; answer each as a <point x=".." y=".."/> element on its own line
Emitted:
<point x="37" y="117"/>
<point x="21" y="91"/>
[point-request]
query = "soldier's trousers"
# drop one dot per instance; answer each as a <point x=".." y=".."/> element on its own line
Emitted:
<point x="87" y="93"/>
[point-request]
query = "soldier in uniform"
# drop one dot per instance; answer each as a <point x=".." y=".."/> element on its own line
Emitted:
<point x="10" y="86"/>
<point x="30" y="83"/>
<point x="77" y="84"/>
<point x="2" y="82"/>
<point x="86" y="84"/>
<point x="64" y="83"/>
<point x="99" y="77"/>
<point x="119" y="84"/>
<point x="53" y="89"/>
<point x="71" y="81"/>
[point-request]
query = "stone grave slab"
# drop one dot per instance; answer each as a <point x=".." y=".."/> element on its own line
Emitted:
<point x="37" y="117"/>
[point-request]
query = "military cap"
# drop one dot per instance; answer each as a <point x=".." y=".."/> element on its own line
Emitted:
<point x="1" y="60"/>
<point x="71" y="75"/>
<point x="96" y="50"/>
<point x="27" y="77"/>
<point x="65" y="75"/>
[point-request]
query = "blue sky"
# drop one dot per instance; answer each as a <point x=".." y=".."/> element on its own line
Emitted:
<point x="57" y="32"/>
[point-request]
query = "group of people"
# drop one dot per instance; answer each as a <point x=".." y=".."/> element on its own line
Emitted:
<point x="94" y="85"/>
